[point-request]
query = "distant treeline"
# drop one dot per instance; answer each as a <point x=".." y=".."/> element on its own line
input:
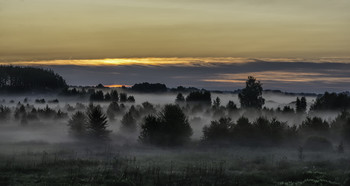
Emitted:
<point x="14" y="79"/>
<point x="146" y="87"/>
<point x="332" y="101"/>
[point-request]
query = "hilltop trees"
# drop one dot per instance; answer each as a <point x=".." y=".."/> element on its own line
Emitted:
<point x="113" y="96"/>
<point x="169" y="128"/>
<point x="332" y="101"/>
<point x="251" y="95"/>
<point x="149" y="87"/>
<point x="25" y="79"/>
<point x="203" y="97"/>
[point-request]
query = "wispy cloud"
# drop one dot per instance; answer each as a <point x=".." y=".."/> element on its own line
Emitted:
<point x="307" y="75"/>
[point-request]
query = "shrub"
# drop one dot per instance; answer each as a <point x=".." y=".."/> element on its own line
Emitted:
<point x="218" y="131"/>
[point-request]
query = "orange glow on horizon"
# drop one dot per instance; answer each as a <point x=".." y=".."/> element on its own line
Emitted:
<point x="175" y="61"/>
<point x="116" y="86"/>
<point x="167" y="61"/>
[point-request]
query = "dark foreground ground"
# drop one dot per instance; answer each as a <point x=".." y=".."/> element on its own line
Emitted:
<point x="44" y="164"/>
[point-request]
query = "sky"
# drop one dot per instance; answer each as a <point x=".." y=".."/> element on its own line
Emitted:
<point x="303" y="44"/>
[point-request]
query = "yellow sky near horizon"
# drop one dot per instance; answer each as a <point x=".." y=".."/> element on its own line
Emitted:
<point x="81" y="29"/>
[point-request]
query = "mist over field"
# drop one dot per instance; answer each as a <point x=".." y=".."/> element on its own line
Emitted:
<point x="56" y="131"/>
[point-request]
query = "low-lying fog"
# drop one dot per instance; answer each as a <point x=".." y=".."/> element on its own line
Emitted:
<point x="56" y="130"/>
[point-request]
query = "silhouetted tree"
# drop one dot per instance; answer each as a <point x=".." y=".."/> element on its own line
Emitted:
<point x="20" y="112"/>
<point x="218" y="131"/>
<point x="40" y="101"/>
<point x="148" y="108"/>
<point x="203" y="97"/>
<point x="170" y="128"/>
<point x="315" y="126"/>
<point x="128" y="123"/>
<point x="180" y="98"/>
<point x="332" y="101"/>
<point x="217" y="102"/>
<point x="4" y="113"/>
<point x="114" y="96"/>
<point x="100" y="86"/>
<point x="97" y="123"/>
<point x="77" y="124"/>
<point x="60" y="115"/>
<point x="131" y="99"/>
<point x="243" y="131"/>
<point x="107" y="97"/>
<point x="97" y="96"/>
<point x="287" y="110"/>
<point x="112" y="110"/>
<point x="301" y="105"/>
<point x="149" y="87"/>
<point x="46" y="113"/>
<point x="151" y="131"/>
<point x="251" y="95"/>
<point x="231" y="106"/>
<point x="123" y="97"/>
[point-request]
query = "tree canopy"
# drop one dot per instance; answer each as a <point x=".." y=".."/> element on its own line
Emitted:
<point x="251" y="95"/>
<point x="149" y="87"/>
<point x="169" y="128"/>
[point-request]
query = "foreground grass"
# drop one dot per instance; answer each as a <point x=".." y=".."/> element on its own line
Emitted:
<point x="172" y="167"/>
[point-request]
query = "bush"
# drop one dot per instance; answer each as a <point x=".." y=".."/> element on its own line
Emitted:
<point x="218" y="131"/>
<point x="315" y="126"/>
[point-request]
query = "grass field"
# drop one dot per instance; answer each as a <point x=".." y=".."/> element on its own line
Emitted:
<point x="62" y="164"/>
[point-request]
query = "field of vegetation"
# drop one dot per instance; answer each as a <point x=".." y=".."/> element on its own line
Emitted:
<point x="108" y="165"/>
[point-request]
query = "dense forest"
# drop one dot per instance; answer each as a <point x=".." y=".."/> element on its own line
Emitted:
<point x="15" y="79"/>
